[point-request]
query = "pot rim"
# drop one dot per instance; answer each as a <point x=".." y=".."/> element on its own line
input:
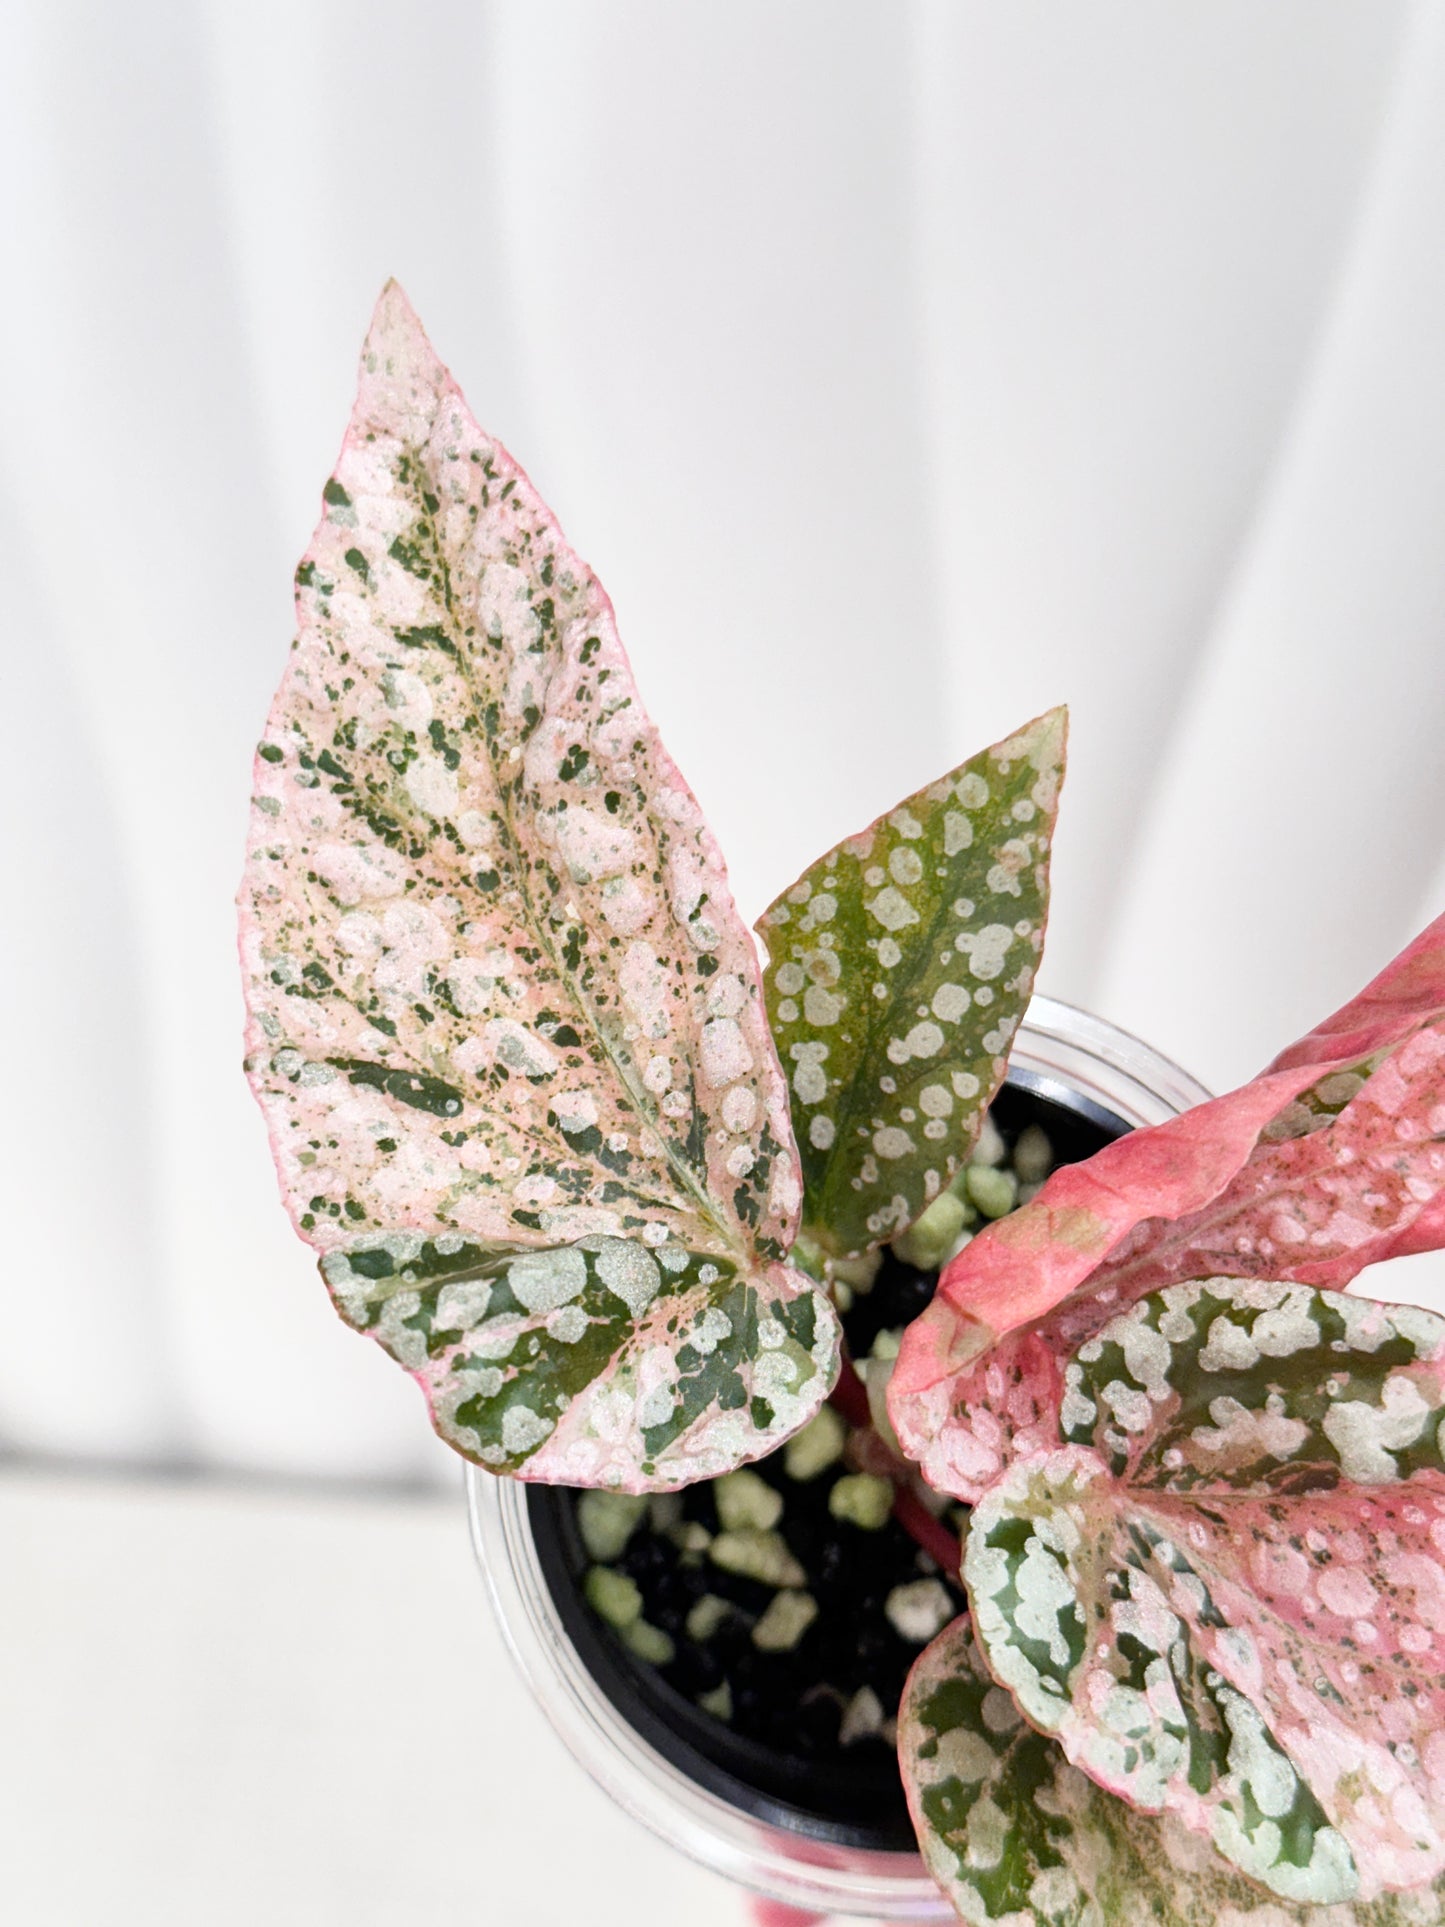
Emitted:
<point x="1061" y="1053"/>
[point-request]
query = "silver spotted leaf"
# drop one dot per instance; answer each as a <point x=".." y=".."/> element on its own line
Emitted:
<point x="1016" y="1836"/>
<point x="505" y="1023"/>
<point x="1318" y="1167"/>
<point x="1225" y="1592"/>
<point x="899" y="968"/>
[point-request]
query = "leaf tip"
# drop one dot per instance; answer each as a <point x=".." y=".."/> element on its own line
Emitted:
<point x="1044" y="741"/>
<point x="396" y="342"/>
<point x="393" y="304"/>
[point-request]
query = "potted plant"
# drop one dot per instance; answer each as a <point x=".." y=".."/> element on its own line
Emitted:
<point x="819" y="1813"/>
<point x="604" y="1187"/>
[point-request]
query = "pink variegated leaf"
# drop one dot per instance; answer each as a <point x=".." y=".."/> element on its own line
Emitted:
<point x="1316" y="1169"/>
<point x="1015" y="1835"/>
<point x="505" y="1023"/>
<point x="1386" y="1010"/>
<point x="1224" y="1592"/>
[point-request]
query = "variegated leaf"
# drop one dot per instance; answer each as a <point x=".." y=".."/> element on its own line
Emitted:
<point x="1016" y="1836"/>
<point x="900" y="966"/>
<point x="505" y="1023"/>
<point x="1317" y="1168"/>
<point x="1225" y="1593"/>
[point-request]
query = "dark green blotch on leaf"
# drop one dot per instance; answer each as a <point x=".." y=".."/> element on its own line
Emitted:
<point x="422" y="1093"/>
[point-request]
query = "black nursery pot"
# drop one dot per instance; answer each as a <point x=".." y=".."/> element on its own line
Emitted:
<point x="817" y="1826"/>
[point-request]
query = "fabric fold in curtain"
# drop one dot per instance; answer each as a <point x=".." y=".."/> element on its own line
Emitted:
<point x="902" y="370"/>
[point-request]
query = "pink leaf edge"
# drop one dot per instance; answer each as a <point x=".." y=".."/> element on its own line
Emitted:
<point x="976" y="1377"/>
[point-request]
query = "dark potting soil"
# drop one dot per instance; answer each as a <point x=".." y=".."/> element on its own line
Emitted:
<point x="782" y="1735"/>
<point x="794" y="1700"/>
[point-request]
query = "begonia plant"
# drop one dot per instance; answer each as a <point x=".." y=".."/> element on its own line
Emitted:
<point x="595" y="1176"/>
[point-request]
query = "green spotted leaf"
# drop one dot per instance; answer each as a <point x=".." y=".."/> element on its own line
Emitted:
<point x="1015" y="1835"/>
<point x="1225" y="1593"/>
<point x="899" y="968"/>
<point x="505" y="1023"/>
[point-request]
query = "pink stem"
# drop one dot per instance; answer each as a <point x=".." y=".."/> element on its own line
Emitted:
<point x="850" y="1395"/>
<point x="926" y="1531"/>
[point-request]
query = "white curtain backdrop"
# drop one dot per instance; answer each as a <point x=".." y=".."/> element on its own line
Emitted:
<point x="901" y="368"/>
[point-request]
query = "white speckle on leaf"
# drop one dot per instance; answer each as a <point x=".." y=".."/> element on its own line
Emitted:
<point x="726" y="996"/>
<point x="407" y="697"/>
<point x="924" y="1040"/>
<point x="1348" y="1591"/>
<point x="986" y="949"/>
<point x="462" y="1305"/>
<point x="1230" y="1348"/>
<point x="656" y="1407"/>
<point x="432" y="786"/>
<point x="723" y="1052"/>
<point x="522" y="1428"/>
<point x="359" y="935"/>
<point x="1241" y="1436"/>
<point x="1131" y="1407"/>
<point x="510" y="1043"/>
<point x="567" y="1324"/>
<point x="575" y="1111"/>
<point x="892" y="909"/>
<point x="1366" y="1435"/>
<point x="1287" y="1329"/>
<point x="821" y="1007"/>
<point x="710" y="1331"/>
<point x="629" y="1271"/>
<point x="626" y="905"/>
<point x="543" y="1280"/>
<point x="972" y="791"/>
<point x="810" y="1080"/>
<point x="471" y="985"/>
<point x="645" y="985"/>
<point x="1147" y="1354"/>
<point x="822" y="964"/>
<point x="497" y="1340"/>
<point x="358" y="873"/>
<point x="657" y="1076"/>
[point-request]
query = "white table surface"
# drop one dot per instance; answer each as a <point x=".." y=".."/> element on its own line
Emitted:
<point x="222" y="1704"/>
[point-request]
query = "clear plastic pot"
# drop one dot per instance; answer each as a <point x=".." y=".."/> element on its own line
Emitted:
<point x="1061" y="1055"/>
